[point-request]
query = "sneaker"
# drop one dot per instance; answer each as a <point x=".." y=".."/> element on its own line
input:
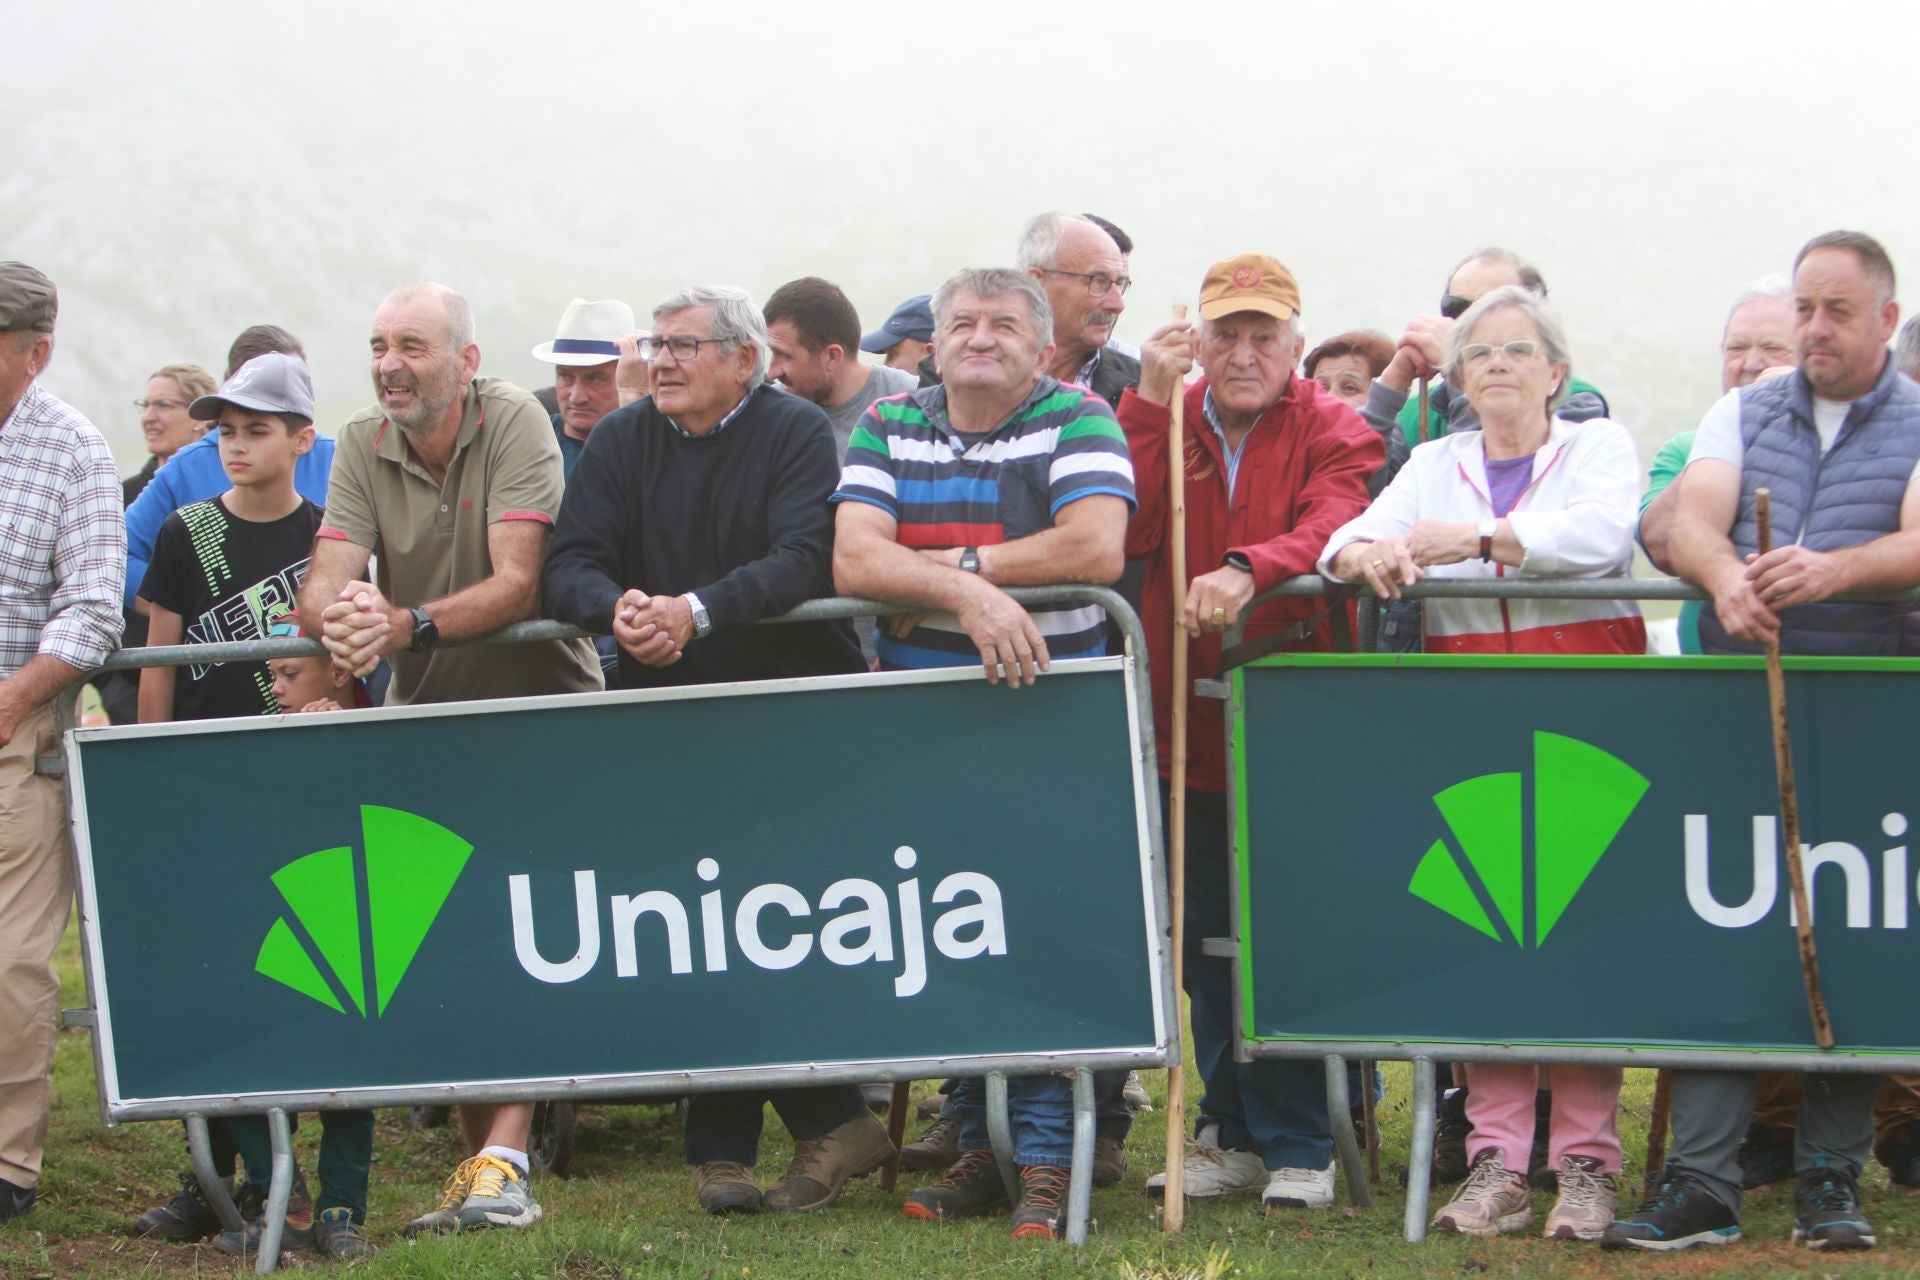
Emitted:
<point x="1765" y="1157"/>
<point x="1903" y="1163"/>
<point x="971" y="1187"/>
<point x="297" y="1234"/>
<point x="1134" y="1091"/>
<point x="823" y="1165"/>
<point x="1213" y="1170"/>
<point x="445" y="1216"/>
<point x="726" y="1186"/>
<point x="937" y="1148"/>
<point x="1587" y="1200"/>
<point x="1299" y="1188"/>
<point x="1450" y="1130"/>
<point x="500" y="1196"/>
<point x="17" y="1200"/>
<point x="337" y="1237"/>
<point x="1109" y="1161"/>
<point x="1493" y="1201"/>
<point x="186" y="1217"/>
<point x="1677" y="1214"/>
<point x="1826" y="1210"/>
<point x="1042" y="1211"/>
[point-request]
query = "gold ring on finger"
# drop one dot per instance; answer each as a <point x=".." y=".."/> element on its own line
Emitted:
<point x="1219" y="616"/>
<point x="1379" y="564"/>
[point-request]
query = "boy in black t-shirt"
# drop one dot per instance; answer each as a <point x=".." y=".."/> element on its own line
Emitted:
<point x="224" y="569"/>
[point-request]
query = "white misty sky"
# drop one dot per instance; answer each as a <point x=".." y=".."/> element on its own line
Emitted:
<point x="187" y="170"/>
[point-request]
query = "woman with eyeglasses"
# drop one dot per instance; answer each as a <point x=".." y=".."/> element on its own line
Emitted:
<point x="164" y="420"/>
<point x="1529" y="495"/>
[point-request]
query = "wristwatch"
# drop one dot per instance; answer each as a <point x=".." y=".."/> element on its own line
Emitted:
<point x="1487" y="529"/>
<point x="702" y="620"/>
<point x="1237" y="560"/>
<point x="426" y="632"/>
<point x="970" y="559"/>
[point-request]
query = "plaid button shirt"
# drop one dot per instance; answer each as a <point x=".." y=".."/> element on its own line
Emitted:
<point x="63" y="539"/>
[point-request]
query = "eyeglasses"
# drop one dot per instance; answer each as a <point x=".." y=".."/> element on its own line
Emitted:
<point x="1098" y="282"/>
<point x="1453" y="306"/>
<point x="162" y="405"/>
<point x="1481" y="352"/>
<point x="682" y="347"/>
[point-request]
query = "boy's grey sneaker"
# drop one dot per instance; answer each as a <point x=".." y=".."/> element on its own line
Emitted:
<point x="1826" y="1210"/>
<point x="337" y="1236"/>
<point x="498" y="1197"/>
<point x="1677" y="1214"/>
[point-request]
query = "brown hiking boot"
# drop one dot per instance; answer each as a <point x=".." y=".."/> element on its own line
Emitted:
<point x="1109" y="1162"/>
<point x="937" y="1148"/>
<point x="1042" y="1212"/>
<point x="822" y="1166"/>
<point x="972" y="1186"/>
<point x="726" y="1186"/>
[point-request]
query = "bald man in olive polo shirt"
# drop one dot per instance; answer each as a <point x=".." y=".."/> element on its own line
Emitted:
<point x="455" y="480"/>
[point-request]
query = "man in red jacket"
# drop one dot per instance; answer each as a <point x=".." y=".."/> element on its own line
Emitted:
<point x="1274" y="464"/>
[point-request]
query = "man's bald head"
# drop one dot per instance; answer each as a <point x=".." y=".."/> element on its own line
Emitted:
<point x="458" y="310"/>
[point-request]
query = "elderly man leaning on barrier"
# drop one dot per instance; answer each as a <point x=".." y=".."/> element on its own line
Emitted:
<point x="456" y="480"/>
<point x="1035" y="474"/>
<point x="693" y="514"/>
<point x="1273" y="465"/>
<point x="62" y="557"/>
<point x="1837" y="443"/>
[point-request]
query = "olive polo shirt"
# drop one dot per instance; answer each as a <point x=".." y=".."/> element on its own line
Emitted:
<point x="430" y="539"/>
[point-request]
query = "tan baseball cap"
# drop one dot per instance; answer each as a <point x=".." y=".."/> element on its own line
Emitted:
<point x="1249" y="282"/>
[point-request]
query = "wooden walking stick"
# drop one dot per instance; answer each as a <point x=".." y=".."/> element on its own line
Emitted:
<point x="1790" y="807"/>
<point x="896" y="1133"/>
<point x="1657" y="1131"/>
<point x="1176" y="1191"/>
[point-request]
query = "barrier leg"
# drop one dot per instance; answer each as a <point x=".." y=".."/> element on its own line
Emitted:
<point x="1080" y="1183"/>
<point x="212" y="1185"/>
<point x="1420" y="1155"/>
<point x="1339" y="1118"/>
<point x="1000" y="1133"/>
<point x="273" y="1221"/>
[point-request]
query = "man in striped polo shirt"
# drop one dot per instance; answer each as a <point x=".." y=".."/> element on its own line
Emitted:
<point x="1000" y="476"/>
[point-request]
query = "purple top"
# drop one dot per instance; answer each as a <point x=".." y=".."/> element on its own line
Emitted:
<point x="1507" y="479"/>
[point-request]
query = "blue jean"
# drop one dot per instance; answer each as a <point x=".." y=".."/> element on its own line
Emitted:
<point x="1275" y="1108"/>
<point x="1039" y="1108"/>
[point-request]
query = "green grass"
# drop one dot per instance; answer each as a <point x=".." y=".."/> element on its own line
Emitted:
<point x="627" y="1213"/>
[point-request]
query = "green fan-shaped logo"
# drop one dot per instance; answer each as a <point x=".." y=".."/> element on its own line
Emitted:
<point x="1581" y="798"/>
<point x="411" y="865"/>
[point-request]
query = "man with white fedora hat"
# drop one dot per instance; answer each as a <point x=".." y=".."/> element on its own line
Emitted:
<point x="585" y="351"/>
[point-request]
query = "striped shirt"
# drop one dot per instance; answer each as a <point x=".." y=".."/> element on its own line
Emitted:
<point x="63" y="540"/>
<point x="948" y="488"/>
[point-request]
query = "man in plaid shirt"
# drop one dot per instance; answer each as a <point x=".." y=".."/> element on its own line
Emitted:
<point x="63" y="557"/>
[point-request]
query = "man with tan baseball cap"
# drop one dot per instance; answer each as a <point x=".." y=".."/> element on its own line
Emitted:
<point x="1272" y="463"/>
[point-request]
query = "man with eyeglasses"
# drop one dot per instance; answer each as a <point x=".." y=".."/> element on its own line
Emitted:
<point x="693" y="514"/>
<point x="62" y="556"/>
<point x="1273" y="465"/>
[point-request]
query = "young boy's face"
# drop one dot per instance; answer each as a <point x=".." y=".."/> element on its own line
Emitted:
<point x="257" y="449"/>
<point x="300" y="681"/>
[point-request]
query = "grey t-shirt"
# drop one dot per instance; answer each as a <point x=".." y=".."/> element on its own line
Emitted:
<point x="881" y="383"/>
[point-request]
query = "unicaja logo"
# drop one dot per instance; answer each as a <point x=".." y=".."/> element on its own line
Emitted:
<point x="410" y="866"/>
<point x="1581" y="798"/>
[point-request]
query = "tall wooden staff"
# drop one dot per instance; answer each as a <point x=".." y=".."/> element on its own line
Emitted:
<point x="1790" y="806"/>
<point x="1176" y="1192"/>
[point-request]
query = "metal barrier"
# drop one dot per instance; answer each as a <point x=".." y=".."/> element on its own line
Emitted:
<point x="996" y="1068"/>
<point x="1423" y="1053"/>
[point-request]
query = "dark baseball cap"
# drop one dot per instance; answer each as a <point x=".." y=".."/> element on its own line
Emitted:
<point x="911" y="319"/>
<point x="272" y="383"/>
<point x="28" y="299"/>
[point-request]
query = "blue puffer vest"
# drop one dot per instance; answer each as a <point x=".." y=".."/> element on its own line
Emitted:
<point x="1851" y="496"/>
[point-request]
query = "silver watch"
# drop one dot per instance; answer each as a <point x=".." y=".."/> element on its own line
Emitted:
<point x="702" y="620"/>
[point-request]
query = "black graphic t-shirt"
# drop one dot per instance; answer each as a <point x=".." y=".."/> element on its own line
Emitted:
<point x="228" y="579"/>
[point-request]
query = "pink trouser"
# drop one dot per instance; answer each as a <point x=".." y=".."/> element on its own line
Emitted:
<point x="1500" y="1107"/>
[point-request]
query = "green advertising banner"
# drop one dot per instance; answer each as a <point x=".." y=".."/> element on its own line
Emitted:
<point x="913" y="867"/>
<point x="1570" y="852"/>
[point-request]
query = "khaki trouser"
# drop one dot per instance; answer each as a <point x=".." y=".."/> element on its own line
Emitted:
<point x="1777" y="1109"/>
<point x="36" y="893"/>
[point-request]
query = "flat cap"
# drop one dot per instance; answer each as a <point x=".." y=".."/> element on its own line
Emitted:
<point x="28" y="299"/>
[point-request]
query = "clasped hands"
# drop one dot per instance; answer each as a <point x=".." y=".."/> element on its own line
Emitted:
<point x="1390" y="563"/>
<point x="652" y="629"/>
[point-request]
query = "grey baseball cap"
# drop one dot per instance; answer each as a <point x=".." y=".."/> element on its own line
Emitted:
<point x="28" y="299"/>
<point x="272" y="383"/>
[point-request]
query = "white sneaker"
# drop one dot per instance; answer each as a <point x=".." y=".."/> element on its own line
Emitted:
<point x="1135" y="1093"/>
<point x="1212" y="1170"/>
<point x="1299" y="1188"/>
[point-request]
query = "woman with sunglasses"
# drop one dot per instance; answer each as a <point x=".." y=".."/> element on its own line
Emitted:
<point x="1528" y="495"/>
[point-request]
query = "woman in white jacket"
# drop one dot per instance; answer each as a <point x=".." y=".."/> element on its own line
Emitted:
<point x="1528" y="495"/>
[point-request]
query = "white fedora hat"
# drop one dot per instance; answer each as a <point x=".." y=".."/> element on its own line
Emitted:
<point x="587" y="332"/>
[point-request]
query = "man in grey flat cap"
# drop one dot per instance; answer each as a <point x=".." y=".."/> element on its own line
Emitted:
<point x="63" y="557"/>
